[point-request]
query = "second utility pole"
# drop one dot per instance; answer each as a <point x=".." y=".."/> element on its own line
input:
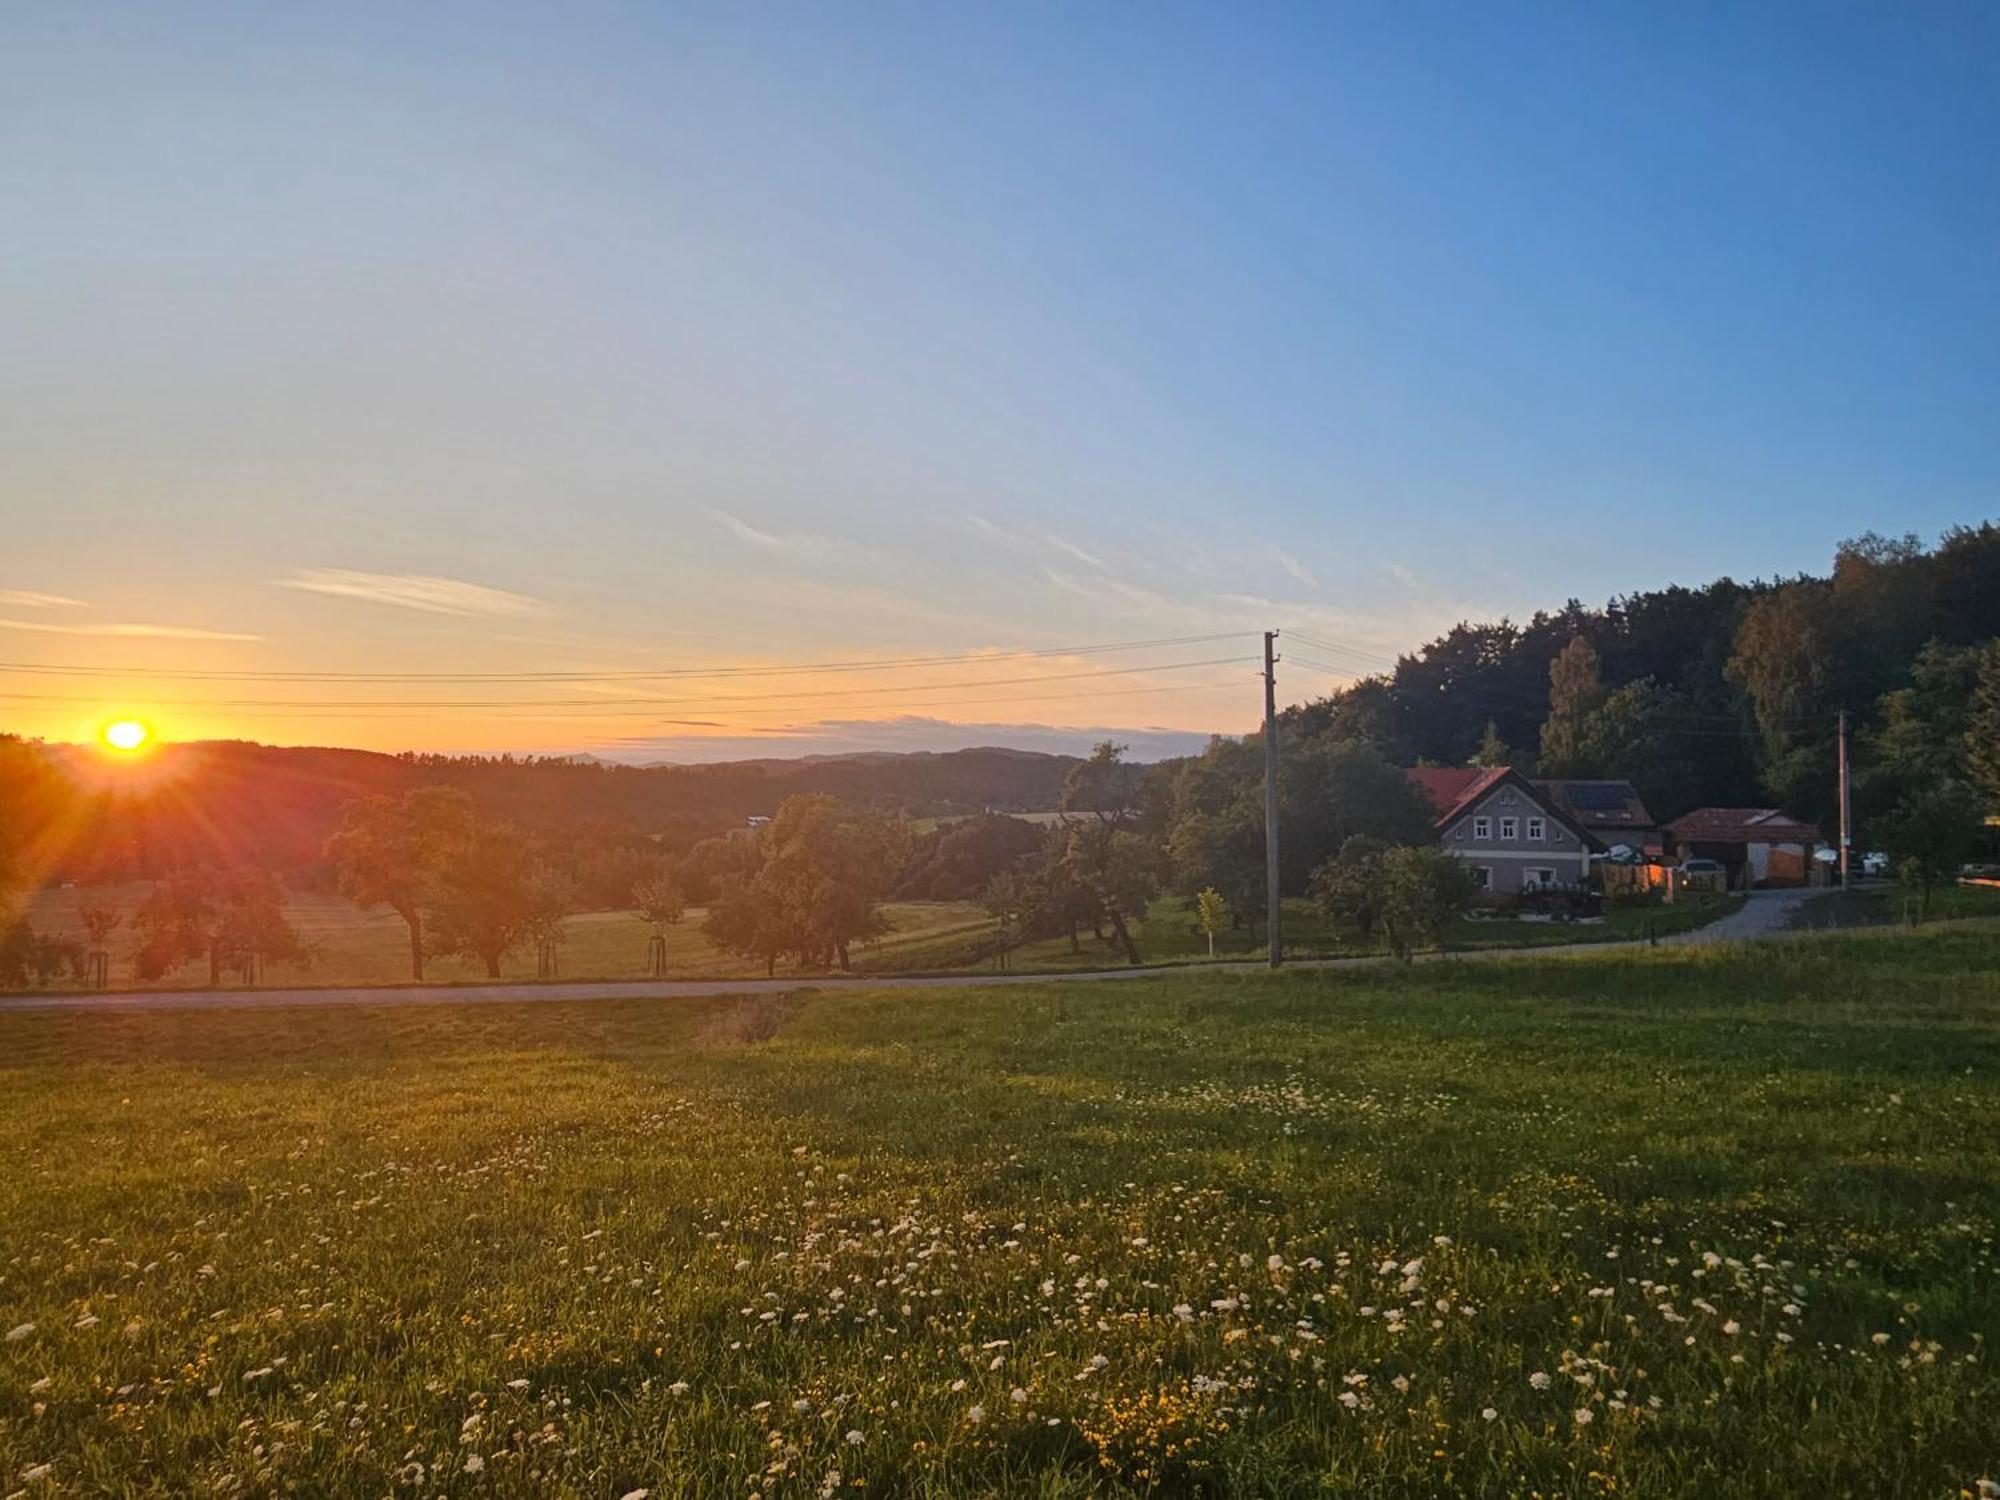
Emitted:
<point x="1846" y="840"/>
<point x="1272" y="909"/>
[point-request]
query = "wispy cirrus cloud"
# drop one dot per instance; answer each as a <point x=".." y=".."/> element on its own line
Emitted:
<point x="756" y="536"/>
<point x="127" y="630"/>
<point x="1033" y="541"/>
<point x="1115" y="593"/>
<point x="808" y="548"/>
<point x="1064" y="544"/>
<point x="1296" y="568"/>
<point x="36" y="599"/>
<point x="423" y="592"/>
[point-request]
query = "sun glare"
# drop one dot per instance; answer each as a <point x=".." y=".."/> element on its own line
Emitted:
<point x="127" y="736"/>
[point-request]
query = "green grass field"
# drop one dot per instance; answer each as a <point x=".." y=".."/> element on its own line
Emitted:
<point x="351" y="947"/>
<point x="1683" y="1223"/>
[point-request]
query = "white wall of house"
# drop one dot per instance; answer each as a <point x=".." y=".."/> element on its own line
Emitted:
<point x="1512" y="841"/>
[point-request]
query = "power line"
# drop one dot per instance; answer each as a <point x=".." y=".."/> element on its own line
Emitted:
<point x="1340" y="650"/>
<point x="639" y="703"/>
<point x="1293" y="658"/>
<point x="630" y="713"/>
<point x="624" y="675"/>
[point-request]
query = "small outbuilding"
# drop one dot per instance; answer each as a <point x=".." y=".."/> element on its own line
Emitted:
<point x="1757" y="846"/>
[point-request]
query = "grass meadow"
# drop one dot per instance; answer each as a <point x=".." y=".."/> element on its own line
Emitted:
<point x="349" y="946"/>
<point x="1679" y="1223"/>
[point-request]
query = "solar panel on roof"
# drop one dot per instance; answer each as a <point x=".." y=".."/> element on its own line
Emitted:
<point x="1597" y="798"/>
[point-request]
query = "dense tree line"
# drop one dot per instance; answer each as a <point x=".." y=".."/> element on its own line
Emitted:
<point x="1721" y="695"/>
<point x="229" y="803"/>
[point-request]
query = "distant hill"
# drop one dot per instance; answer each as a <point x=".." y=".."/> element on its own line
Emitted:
<point x="236" y="801"/>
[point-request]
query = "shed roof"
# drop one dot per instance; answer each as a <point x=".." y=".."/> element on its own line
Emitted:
<point x="1743" y="825"/>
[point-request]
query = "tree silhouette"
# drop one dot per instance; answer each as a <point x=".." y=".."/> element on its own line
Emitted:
<point x="394" y="851"/>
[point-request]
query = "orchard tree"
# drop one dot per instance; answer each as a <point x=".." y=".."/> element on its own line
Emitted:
<point x="741" y="919"/>
<point x="1422" y="890"/>
<point x="1212" y="912"/>
<point x="553" y="898"/>
<point x="1929" y="835"/>
<point x="394" y="852"/>
<point x="1348" y="887"/>
<point x="1041" y="897"/>
<point x="484" y="902"/>
<point x="1117" y="868"/>
<point x="230" y="919"/>
<point x="657" y="901"/>
<point x="823" y="871"/>
<point x="1118" y="871"/>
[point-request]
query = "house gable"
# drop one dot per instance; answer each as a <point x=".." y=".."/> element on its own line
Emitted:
<point x="1494" y="792"/>
<point x="1513" y="801"/>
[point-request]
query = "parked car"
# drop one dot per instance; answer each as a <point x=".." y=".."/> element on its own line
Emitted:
<point x="1701" y="867"/>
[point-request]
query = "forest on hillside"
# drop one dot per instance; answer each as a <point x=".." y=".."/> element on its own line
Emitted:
<point x="275" y="807"/>
<point x="1726" y="694"/>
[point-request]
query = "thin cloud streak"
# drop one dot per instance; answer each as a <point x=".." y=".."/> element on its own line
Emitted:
<point x="36" y="599"/>
<point x="744" y="531"/>
<point x="1296" y="568"/>
<point x="1063" y="544"/>
<point x="419" y="591"/>
<point x="132" y="631"/>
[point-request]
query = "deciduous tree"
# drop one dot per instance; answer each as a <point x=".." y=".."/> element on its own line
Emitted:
<point x="1576" y="689"/>
<point x="484" y="903"/>
<point x="393" y="852"/>
<point x="1422" y="891"/>
<point x="1930" y="834"/>
<point x="232" y="919"/>
<point x="1212" y="911"/>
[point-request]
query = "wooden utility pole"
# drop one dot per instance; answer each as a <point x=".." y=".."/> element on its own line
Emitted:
<point x="1846" y="833"/>
<point x="1273" y="910"/>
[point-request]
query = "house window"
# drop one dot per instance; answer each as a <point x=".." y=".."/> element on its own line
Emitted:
<point x="1538" y="829"/>
<point x="1482" y="877"/>
<point x="1541" y="877"/>
<point x="1510" y="828"/>
<point x="1482" y="828"/>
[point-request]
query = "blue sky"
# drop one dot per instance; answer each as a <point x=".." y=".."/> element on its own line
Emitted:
<point x="598" y="337"/>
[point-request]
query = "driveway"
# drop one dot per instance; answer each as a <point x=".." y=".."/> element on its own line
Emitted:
<point x="1763" y="914"/>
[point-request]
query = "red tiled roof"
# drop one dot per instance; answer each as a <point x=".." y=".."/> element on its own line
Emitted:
<point x="1742" y="825"/>
<point x="1447" y="786"/>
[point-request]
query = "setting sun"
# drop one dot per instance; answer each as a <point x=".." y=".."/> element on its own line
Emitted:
<point x="126" y="735"/>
